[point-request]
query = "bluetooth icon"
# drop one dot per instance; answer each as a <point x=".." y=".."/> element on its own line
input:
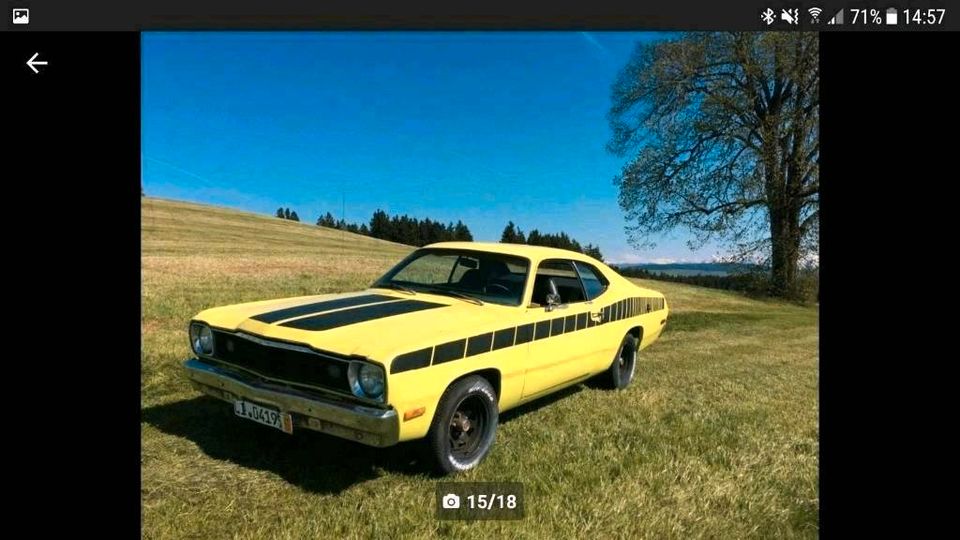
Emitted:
<point x="768" y="16"/>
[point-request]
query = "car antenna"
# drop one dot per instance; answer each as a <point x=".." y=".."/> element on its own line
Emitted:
<point x="343" y="231"/>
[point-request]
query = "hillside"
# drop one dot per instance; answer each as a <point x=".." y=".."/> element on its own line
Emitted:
<point x="181" y="228"/>
<point x="717" y="436"/>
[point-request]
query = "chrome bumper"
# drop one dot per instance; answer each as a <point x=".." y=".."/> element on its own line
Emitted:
<point x="367" y="425"/>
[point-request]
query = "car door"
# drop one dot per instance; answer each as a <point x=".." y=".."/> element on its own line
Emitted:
<point x="601" y="340"/>
<point x="559" y="351"/>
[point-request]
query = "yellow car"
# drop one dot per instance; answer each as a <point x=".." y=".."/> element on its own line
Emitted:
<point x="436" y="348"/>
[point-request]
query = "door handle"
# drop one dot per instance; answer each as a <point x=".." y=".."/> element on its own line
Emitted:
<point x="596" y="316"/>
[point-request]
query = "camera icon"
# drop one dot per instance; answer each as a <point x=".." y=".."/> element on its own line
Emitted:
<point x="450" y="501"/>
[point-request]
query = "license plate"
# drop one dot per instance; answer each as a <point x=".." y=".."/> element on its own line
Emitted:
<point x="264" y="415"/>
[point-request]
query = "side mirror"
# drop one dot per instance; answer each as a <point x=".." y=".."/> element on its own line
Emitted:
<point x="553" y="296"/>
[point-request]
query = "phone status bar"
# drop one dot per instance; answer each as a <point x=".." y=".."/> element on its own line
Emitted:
<point x="820" y="18"/>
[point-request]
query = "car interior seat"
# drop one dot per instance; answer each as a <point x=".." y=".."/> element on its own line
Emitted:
<point x="471" y="279"/>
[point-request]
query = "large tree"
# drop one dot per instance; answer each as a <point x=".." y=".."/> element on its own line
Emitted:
<point x="723" y="139"/>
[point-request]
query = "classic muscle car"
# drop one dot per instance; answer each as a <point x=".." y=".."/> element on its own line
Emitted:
<point x="454" y="334"/>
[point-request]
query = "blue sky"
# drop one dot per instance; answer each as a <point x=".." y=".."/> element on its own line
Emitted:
<point x="478" y="126"/>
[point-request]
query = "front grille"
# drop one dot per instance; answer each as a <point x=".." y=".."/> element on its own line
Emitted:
<point x="276" y="362"/>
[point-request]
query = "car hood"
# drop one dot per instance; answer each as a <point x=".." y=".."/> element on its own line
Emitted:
<point x="376" y="324"/>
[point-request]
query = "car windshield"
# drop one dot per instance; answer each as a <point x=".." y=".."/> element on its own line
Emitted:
<point x="466" y="274"/>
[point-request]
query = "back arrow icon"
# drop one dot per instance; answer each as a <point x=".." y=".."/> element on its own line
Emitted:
<point x="32" y="63"/>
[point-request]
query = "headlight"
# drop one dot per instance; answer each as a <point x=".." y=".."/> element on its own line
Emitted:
<point x="201" y="339"/>
<point x="367" y="380"/>
<point x="371" y="380"/>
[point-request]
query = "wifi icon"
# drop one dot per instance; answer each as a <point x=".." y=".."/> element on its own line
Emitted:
<point x="814" y="15"/>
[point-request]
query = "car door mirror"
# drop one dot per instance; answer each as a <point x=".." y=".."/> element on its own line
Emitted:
<point x="553" y="295"/>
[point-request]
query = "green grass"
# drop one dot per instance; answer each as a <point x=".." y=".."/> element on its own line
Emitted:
<point x="716" y="437"/>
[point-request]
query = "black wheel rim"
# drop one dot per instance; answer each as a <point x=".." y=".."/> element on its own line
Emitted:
<point x="467" y="427"/>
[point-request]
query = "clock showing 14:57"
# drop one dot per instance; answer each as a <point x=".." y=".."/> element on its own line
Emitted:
<point x="924" y="16"/>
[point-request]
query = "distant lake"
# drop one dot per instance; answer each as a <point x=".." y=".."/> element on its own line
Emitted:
<point x="691" y="269"/>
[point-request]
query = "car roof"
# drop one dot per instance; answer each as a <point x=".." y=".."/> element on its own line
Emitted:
<point x="521" y="250"/>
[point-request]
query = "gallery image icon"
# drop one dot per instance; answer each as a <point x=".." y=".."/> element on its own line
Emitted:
<point x="21" y="16"/>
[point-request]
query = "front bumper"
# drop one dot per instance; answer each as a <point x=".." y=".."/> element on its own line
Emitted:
<point x="367" y="425"/>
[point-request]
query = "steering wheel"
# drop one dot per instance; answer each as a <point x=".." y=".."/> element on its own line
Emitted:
<point x="504" y="287"/>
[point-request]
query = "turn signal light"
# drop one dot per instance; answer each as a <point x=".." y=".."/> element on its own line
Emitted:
<point x="414" y="413"/>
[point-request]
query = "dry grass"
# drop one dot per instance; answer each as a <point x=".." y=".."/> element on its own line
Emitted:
<point x="717" y="436"/>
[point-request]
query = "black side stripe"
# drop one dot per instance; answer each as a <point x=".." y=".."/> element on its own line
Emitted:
<point x="542" y="330"/>
<point x="556" y="327"/>
<point x="326" y="321"/>
<point x="411" y="360"/>
<point x="503" y="338"/>
<point x="316" y="307"/>
<point x="479" y="344"/>
<point x="525" y="333"/>
<point x="452" y="350"/>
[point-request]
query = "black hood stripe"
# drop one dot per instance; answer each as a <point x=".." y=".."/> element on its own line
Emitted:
<point x="326" y="321"/>
<point x="317" y="307"/>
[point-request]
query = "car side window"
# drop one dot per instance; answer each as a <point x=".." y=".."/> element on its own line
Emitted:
<point x="594" y="283"/>
<point x="564" y="276"/>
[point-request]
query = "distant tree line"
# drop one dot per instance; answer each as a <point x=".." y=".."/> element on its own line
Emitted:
<point x="285" y="213"/>
<point x="513" y="235"/>
<point x="402" y="229"/>
<point x="412" y="231"/>
<point x="415" y="232"/>
<point x="327" y="220"/>
<point x="755" y="282"/>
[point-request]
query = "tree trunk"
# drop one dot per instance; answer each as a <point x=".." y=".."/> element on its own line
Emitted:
<point x="783" y="208"/>
<point x="785" y="240"/>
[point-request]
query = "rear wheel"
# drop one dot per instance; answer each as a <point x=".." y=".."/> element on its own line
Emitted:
<point x="464" y="426"/>
<point x="621" y="371"/>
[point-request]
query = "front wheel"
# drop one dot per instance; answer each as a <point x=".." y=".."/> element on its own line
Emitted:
<point x="464" y="426"/>
<point x="620" y="373"/>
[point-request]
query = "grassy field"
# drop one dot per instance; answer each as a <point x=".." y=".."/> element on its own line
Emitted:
<point x="716" y="437"/>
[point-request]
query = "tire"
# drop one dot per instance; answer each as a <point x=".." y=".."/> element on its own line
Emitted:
<point x="621" y="371"/>
<point x="469" y="402"/>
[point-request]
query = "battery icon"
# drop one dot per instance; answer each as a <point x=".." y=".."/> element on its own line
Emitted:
<point x="891" y="15"/>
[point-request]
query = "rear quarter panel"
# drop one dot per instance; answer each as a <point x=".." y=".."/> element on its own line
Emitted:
<point x="630" y="307"/>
